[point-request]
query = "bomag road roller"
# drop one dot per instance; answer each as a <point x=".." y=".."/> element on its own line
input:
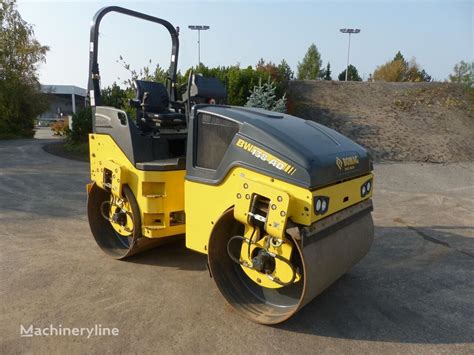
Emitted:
<point x="280" y="205"/>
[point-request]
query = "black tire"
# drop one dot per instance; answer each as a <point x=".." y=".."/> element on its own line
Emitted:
<point x="260" y="304"/>
<point x="113" y="244"/>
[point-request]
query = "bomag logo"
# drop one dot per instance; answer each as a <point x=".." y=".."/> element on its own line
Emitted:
<point x="265" y="156"/>
<point x="347" y="163"/>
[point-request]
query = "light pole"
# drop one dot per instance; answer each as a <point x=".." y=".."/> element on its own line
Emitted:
<point x="349" y="31"/>
<point x="199" y="28"/>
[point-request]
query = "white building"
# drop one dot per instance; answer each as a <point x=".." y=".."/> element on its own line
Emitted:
<point x="64" y="100"/>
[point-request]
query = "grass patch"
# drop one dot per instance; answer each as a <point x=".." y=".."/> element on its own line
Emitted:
<point x="10" y="136"/>
<point x="77" y="148"/>
<point x="69" y="150"/>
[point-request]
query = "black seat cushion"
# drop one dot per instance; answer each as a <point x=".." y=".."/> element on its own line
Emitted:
<point x="178" y="163"/>
<point x="166" y="119"/>
<point x="165" y="116"/>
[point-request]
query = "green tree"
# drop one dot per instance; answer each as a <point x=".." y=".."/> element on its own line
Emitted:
<point x="285" y="71"/>
<point x="463" y="73"/>
<point x="115" y="96"/>
<point x="264" y="96"/>
<point x="353" y="74"/>
<point x="309" y="68"/>
<point x="399" y="56"/>
<point x="21" y="100"/>
<point x="280" y="74"/>
<point x="325" y="73"/>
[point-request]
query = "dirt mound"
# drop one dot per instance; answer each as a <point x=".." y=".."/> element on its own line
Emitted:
<point x="431" y="122"/>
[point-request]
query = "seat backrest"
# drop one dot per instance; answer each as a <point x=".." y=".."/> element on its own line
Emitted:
<point x="201" y="89"/>
<point x="157" y="100"/>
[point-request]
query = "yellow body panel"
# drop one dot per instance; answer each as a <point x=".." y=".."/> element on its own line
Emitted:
<point x="206" y="203"/>
<point x="160" y="194"/>
<point x="279" y="201"/>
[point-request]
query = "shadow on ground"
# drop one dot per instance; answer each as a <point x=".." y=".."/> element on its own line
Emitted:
<point x="415" y="286"/>
<point x="408" y="289"/>
<point x="174" y="255"/>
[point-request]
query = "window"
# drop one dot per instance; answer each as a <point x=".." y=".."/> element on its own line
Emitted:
<point x="214" y="134"/>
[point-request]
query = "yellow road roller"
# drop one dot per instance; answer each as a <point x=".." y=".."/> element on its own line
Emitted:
<point x="280" y="205"/>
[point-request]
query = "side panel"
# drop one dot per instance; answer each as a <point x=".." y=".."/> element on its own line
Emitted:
<point x="206" y="203"/>
<point x="160" y="194"/>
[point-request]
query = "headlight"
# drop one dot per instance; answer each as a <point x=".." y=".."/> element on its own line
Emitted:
<point x="321" y="204"/>
<point x="318" y="205"/>
<point x="324" y="205"/>
<point x="365" y="188"/>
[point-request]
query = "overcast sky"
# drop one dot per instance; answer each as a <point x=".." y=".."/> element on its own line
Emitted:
<point x="437" y="33"/>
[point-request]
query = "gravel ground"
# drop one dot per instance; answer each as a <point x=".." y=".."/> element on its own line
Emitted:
<point x="413" y="293"/>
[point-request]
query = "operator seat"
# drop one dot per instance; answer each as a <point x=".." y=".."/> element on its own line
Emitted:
<point x="164" y="128"/>
<point x="153" y="107"/>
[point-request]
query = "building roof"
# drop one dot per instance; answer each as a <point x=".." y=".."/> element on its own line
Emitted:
<point x="64" y="90"/>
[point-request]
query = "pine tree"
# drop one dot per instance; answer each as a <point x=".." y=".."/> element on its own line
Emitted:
<point x="399" y="56"/>
<point x="309" y="68"/>
<point x="263" y="96"/>
<point x="327" y="74"/>
<point x="285" y="71"/>
<point x="353" y="74"/>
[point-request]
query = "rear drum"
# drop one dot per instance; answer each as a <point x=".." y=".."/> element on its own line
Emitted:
<point x="107" y="237"/>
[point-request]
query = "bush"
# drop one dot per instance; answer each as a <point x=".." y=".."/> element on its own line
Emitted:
<point x="239" y="81"/>
<point x="280" y="74"/>
<point x="263" y="96"/>
<point x="60" y="128"/>
<point x="400" y="70"/>
<point x="81" y="126"/>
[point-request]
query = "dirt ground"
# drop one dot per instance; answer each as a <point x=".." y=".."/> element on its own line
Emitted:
<point x="426" y="122"/>
<point x="413" y="293"/>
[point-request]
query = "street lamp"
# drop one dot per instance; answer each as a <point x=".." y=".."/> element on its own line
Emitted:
<point x="199" y="28"/>
<point x="349" y="31"/>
